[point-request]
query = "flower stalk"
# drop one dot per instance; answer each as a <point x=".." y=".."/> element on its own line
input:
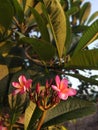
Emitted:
<point x="41" y="120"/>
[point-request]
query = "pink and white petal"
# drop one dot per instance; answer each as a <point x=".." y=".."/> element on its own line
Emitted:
<point x="16" y="85"/>
<point x="63" y="84"/>
<point x="55" y="88"/>
<point x="57" y="80"/>
<point x="23" y="89"/>
<point x="64" y="90"/>
<point x="22" y="80"/>
<point x="71" y="92"/>
<point x="3" y="128"/>
<point x="28" y="83"/>
<point x="63" y="96"/>
<point x="16" y="91"/>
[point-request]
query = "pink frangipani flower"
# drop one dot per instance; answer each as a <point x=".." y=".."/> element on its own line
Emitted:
<point x="2" y="127"/>
<point x="22" y="86"/>
<point x="62" y="88"/>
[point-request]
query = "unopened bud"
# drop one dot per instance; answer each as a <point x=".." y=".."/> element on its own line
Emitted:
<point x="42" y="93"/>
<point x="38" y="88"/>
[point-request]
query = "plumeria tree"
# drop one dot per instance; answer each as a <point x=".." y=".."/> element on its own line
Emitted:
<point x="42" y="42"/>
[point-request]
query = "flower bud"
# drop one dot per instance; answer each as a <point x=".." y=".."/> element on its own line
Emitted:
<point x="38" y="88"/>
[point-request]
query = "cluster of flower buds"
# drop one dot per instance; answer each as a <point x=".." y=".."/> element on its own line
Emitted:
<point x="45" y="97"/>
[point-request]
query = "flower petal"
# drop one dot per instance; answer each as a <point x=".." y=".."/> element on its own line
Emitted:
<point x="55" y="88"/>
<point x="16" y="84"/>
<point x="28" y="83"/>
<point x="22" y="91"/>
<point x="16" y="91"/>
<point x="71" y="92"/>
<point x="57" y="80"/>
<point x="22" y="80"/>
<point x="63" y="84"/>
<point x="63" y="96"/>
<point x="38" y="88"/>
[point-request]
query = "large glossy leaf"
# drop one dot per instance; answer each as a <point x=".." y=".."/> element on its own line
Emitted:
<point x="85" y="59"/>
<point x="57" y="21"/>
<point x="84" y="12"/>
<point x="41" y="24"/>
<point x="67" y="110"/>
<point x="6" y="13"/>
<point x="45" y="50"/>
<point x="28" y="115"/>
<point x="17" y="106"/>
<point x="88" y="36"/>
<point x="32" y="115"/>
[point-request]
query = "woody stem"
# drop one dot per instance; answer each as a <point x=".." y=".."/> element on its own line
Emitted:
<point x="41" y="120"/>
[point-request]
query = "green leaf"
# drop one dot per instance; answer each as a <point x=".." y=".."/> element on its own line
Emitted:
<point x="79" y="28"/>
<point x="72" y="11"/>
<point x="57" y="22"/>
<point x="6" y="13"/>
<point x="33" y="115"/>
<point x="22" y="3"/>
<point x="88" y="37"/>
<point x="92" y="17"/>
<point x="28" y="115"/>
<point x="68" y="34"/>
<point x="17" y="106"/>
<point x="84" y="12"/>
<point x="67" y="110"/>
<point x="58" y="127"/>
<point x="30" y="3"/>
<point x="45" y="50"/>
<point x="41" y="24"/>
<point x="85" y="59"/>
<point x="18" y="11"/>
<point x="3" y="77"/>
<point x="76" y="3"/>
